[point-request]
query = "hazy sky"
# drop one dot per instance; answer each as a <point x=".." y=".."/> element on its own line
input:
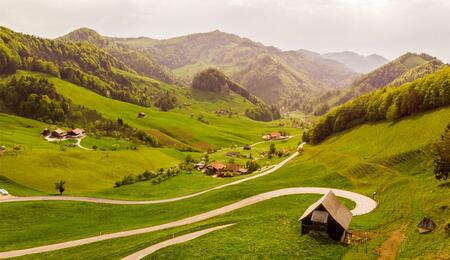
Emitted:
<point x="386" y="27"/>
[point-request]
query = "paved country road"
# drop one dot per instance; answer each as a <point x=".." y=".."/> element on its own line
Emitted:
<point x="110" y="201"/>
<point x="363" y="205"/>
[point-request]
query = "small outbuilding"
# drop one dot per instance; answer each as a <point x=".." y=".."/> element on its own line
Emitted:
<point x="327" y="216"/>
<point x="141" y="114"/>
<point x="426" y="225"/>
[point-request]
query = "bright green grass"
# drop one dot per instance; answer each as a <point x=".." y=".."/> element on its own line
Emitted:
<point x="39" y="164"/>
<point x="403" y="181"/>
<point x="171" y="127"/>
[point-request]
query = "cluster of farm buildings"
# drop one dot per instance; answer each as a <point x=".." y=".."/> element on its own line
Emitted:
<point x="61" y="134"/>
<point x="274" y="136"/>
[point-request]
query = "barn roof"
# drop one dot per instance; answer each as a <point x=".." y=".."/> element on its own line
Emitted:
<point x="334" y="207"/>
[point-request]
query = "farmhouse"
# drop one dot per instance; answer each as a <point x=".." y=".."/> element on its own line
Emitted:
<point x="58" y="133"/>
<point x="75" y="132"/>
<point x="215" y="167"/>
<point x="274" y="136"/>
<point x="327" y="216"/>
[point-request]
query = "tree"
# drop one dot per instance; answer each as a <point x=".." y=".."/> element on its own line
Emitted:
<point x="252" y="166"/>
<point x="60" y="186"/>
<point x="188" y="159"/>
<point x="442" y="162"/>
<point x="272" y="149"/>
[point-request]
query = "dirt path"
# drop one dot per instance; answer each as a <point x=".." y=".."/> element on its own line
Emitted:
<point x="364" y="205"/>
<point x="388" y="250"/>
<point x="78" y="143"/>
<point x="177" y="240"/>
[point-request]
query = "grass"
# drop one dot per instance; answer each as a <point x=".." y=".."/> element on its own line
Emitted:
<point x="55" y="162"/>
<point x="394" y="162"/>
<point x="170" y="127"/>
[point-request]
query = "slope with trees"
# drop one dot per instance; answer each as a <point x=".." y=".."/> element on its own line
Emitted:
<point x="389" y="103"/>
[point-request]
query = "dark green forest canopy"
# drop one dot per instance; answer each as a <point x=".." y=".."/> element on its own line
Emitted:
<point x="389" y="103"/>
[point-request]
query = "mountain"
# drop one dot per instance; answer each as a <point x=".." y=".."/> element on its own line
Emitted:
<point x="405" y="68"/>
<point x="285" y="78"/>
<point x="356" y="62"/>
<point x="140" y="62"/>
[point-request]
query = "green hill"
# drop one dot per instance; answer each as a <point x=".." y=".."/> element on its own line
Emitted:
<point x="388" y="103"/>
<point x="406" y="68"/>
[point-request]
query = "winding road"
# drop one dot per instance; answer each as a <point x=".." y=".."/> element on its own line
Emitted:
<point x="110" y="201"/>
<point x="363" y="205"/>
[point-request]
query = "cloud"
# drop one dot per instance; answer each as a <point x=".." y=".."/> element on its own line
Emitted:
<point x="387" y="27"/>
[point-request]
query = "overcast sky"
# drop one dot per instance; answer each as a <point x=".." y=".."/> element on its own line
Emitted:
<point x="386" y="27"/>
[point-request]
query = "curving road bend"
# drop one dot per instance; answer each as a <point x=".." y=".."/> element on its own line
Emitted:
<point x="364" y="205"/>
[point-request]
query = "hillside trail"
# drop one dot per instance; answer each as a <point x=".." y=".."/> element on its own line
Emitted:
<point x="389" y="248"/>
<point x="363" y="205"/>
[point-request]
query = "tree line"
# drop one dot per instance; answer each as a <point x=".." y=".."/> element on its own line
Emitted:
<point x="388" y="103"/>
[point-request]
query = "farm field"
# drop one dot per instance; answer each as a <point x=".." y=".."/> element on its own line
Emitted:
<point x="348" y="161"/>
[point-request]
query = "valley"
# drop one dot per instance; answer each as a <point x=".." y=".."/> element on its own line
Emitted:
<point x="212" y="145"/>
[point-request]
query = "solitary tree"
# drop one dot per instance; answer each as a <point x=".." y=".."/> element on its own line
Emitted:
<point x="442" y="162"/>
<point x="272" y="149"/>
<point x="60" y="186"/>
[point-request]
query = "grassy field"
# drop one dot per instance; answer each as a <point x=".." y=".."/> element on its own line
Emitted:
<point x="396" y="164"/>
<point x="75" y="166"/>
<point x="170" y="127"/>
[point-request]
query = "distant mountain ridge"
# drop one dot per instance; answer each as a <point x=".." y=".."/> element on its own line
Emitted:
<point x="286" y="78"/>
<point x="136" y="60"/>
<point x="356" y="62"/>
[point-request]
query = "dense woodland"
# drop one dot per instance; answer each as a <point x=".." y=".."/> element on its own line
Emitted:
<point x="390" y="103"/>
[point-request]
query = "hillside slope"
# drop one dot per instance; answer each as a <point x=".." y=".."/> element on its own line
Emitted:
<point x="406" y="68"/>
<point x="139" y="61"/>
<point x="388" y="103"/>
<point x="275" y="76"/>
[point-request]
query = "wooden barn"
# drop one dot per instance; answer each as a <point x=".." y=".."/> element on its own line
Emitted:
<point x="327" y="216"/>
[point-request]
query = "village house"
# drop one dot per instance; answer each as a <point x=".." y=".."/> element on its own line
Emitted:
<point x="75" y="132"/>
<point x="232" y="168"/>
<point x="247" y="147"/>
<point x="233" y="154"/>
<point x="215" y="168"/>
<point x="58" y="133"/>
<point x="274" y="136"/>
<point x="327" y="216"/>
